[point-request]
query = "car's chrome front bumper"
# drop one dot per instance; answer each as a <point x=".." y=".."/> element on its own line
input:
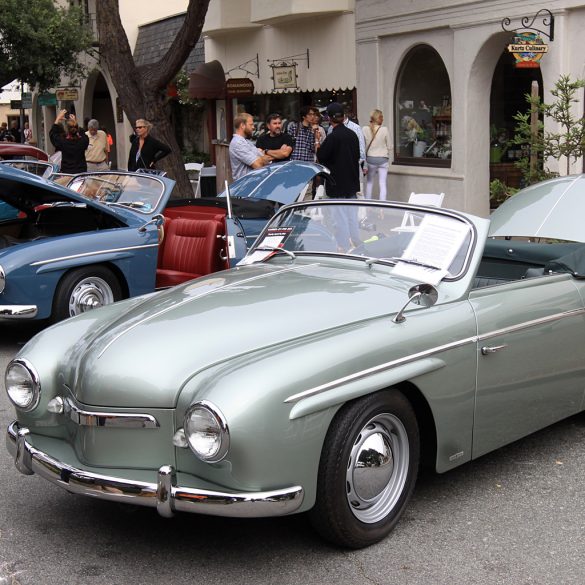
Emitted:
<point x="18" y="311"/>
<point x="165" y="495"/>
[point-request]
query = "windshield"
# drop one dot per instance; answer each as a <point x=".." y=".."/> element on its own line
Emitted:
<point x="39" y="168"/>
<point x="139" y="192"/>
<point x="419" y="244"/>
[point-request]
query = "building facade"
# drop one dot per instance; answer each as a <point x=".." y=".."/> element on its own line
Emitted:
<point x="449" y="87"/>
<point x="277" y="56"/>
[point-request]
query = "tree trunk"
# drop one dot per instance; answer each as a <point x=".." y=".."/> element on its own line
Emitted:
<point x="142" y="90"/>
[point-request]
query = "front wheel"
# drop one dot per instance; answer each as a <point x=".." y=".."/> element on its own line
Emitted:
<point x="368" y="469"/>
<point x="84" y="289"/>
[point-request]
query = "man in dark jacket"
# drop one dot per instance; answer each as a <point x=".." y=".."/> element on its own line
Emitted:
<point x="340" y="153"/>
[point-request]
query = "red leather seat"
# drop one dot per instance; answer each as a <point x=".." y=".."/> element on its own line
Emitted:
<point x="190" y="249"/>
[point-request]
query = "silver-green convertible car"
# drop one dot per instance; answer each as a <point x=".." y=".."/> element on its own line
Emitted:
<point x="356" y="341"/>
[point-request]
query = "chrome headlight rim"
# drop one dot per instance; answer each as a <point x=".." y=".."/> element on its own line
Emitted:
<point x="2" y="279"/>
<point x="224" y="434"/>
<point x="35" y="381"/>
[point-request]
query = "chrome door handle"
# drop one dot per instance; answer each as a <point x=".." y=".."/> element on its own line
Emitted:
<point x="486" y="349"/>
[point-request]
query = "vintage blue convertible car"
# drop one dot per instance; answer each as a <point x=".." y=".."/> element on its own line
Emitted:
<point x="431" y="338"/>
<point x="64" y="251"/>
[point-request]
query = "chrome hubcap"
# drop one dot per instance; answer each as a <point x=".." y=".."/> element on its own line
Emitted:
<point x="377" y="468"/>
<point x="90" y="293"/>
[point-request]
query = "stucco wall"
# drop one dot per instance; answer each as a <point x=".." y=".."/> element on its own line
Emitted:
<point x="469" y="38"/>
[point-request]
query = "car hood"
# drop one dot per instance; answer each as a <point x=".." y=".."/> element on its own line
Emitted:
<point x="551" y="209"/>
<point x="141" y="358"/>
<point x="279" y="182"/>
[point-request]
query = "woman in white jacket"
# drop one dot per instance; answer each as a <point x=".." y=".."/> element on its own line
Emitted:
<point x="377" y="153"/>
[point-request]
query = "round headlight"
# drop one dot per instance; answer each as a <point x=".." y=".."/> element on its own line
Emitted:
<point x="207" y="432"/>
<point x="22" y="384"/>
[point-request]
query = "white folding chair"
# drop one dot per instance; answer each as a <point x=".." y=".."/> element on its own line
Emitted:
<point x="432" y="199"/>
<point x="195" y="180"/>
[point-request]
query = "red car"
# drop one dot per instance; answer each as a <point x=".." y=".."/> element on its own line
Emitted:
<point x="15" y="151"/>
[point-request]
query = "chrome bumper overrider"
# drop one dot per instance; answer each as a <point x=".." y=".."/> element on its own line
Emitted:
<point x="165" y="495"/>
<point x="18" y="311"/>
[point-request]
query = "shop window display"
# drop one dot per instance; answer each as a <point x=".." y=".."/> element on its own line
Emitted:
<point x="423" y="110"/>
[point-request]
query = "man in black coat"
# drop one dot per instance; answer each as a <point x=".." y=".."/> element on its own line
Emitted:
<point x="340" y="153"/>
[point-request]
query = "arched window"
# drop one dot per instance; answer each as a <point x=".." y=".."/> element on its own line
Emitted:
<point x="422" y="128"/>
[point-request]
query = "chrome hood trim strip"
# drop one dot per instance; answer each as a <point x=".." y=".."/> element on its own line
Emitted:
<point x="88" y="418"/>
<point x="96" y="253"/>
<point x="429" y="352"/>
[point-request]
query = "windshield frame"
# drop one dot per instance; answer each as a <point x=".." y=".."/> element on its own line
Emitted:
<point x="377" y="205"/>
<point x="104" y="177"/>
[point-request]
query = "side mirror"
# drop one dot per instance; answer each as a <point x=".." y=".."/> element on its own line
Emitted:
<point x="425" y="295"/>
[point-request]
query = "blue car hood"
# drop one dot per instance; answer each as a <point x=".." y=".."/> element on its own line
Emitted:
<point x="280" y="182"/>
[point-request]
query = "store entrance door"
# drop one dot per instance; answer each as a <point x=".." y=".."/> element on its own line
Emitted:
<point x="510" y="86"/>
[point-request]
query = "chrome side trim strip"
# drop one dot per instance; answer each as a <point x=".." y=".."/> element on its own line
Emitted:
<point x="429" y="352"/>
<point x="163" y="494"/>
<point x="532" y="323"/>
<point x="18" y="311"/>
<point x="89" y="418"/>
<point x="96" y="253"/>
<point x="377" y="369"/>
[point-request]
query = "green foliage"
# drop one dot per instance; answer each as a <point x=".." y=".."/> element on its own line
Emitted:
<point x="499" y="192"/>
<point x="182" y="84"/>
<point x="195" y="156"/>
<point x="568" y="141"/>
<point x="40" y="42"/>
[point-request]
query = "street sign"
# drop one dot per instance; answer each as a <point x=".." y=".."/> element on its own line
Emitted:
<point x="47" y="99"/>
<point x="15" y="104"/>
<point x="27" y="100"/>
<point x="67" y="95"/>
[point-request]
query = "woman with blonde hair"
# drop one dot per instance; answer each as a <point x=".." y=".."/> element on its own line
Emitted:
<point x="145" y="150"/>
<point x="377" y="153"/>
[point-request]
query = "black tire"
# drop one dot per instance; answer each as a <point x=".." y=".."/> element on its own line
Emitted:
<point x="356" y="509"/>
<point x="83" y="289"/>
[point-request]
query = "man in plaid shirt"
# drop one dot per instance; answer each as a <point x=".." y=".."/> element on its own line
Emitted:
<point x="305" y="134"/>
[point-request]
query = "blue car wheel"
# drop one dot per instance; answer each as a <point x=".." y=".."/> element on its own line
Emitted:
<point x="85" y="289"/>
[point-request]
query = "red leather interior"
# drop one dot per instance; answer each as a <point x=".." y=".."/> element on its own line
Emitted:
<point x="190" y="249"/>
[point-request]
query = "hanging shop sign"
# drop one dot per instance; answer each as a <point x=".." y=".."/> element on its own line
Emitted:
<point x="47" y="99"/>
<point x="528" y="48"/>
<point x="67" y="95"/>
<point x="284" y="76"/>
<point x="27" y="100"/>
<point x="239" y="87"/>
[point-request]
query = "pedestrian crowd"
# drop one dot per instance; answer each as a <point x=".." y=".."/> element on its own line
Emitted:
<point x="347" y="150"/>
<point x="78" y="150"/>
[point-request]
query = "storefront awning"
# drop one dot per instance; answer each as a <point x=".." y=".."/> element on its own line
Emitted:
<point x="207" y="81"/>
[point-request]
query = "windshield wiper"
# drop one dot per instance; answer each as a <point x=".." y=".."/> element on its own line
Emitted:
<point x="277" y="249"/>
<point x="416" y="263"/>
<point x="370" y="261"/>
<point x="126" y="203"/>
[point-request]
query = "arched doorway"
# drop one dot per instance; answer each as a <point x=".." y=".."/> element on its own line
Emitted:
<point x="101" y="109"/>
<point x="508" y="97"/>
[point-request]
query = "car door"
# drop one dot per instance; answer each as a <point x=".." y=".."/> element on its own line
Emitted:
<point x="531" y="345"/>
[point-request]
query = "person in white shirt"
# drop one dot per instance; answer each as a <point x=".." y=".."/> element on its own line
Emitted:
<point x="378" y="147"/>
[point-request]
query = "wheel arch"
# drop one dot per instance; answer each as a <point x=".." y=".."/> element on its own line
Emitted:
<point x="425" y="420"/>
<point x="115" y="270"/>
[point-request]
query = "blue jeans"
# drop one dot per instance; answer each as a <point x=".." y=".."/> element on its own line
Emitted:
<point x="346" y="224"/>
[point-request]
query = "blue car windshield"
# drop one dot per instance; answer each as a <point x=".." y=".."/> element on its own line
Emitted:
<point x="139" y="192"/>
<point x="407" y="238"/>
